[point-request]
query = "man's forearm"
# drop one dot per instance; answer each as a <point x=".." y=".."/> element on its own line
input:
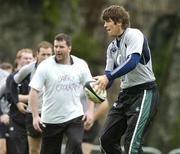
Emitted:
<point x="90" y="106"/>
<point x="22" y="74"/>
<point x="33" y="99"/>
<point x="23" y="98"/>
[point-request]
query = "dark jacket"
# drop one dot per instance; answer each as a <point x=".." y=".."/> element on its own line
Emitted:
<point x="12" y="91"/>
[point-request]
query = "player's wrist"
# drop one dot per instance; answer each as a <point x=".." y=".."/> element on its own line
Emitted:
<point x="35" y="115"/>
<point x="109" y="76"/>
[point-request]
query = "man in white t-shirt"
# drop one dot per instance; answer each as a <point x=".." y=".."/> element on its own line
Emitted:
<point x="62" y="77"/>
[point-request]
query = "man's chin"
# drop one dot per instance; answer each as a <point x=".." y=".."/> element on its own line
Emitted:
<point x="58" y="59"/>
<point x="110" y="34"/>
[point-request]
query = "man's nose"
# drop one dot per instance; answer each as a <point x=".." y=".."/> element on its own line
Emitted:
<point x="29" y="59"/>
<point x="46" y="56"/>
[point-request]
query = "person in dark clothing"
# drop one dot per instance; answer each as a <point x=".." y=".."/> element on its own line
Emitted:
<point x="17" y="143"/>
<point x="17" y="130"/>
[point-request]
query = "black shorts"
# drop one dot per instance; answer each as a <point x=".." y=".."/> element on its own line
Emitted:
<point x="90" y="135"/>
<point x="52" y="136"/>
<point x="29" y="126"/>
<point x="17" y="141"/>
<point x="4" y="130"/>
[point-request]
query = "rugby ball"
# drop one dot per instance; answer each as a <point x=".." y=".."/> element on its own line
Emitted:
<point x="92" y="94"/>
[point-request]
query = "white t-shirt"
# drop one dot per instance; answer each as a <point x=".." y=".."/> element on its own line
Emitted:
<point x="62" y="87"/>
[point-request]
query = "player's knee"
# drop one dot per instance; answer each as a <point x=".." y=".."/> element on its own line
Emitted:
<point x="76" y="142"/>
<point x="73" y="146"/>
<point x="3" y="151"/>
<point x="34" y="151"/>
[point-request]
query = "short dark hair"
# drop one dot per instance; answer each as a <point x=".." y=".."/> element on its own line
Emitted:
<point x="44" y="44"/>
<point x="62" y="36"/>
<point x="118" y="14"/>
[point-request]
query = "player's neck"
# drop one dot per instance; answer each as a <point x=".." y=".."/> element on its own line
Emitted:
<point x="120" y="35"/>
<point x="66" y="61"/>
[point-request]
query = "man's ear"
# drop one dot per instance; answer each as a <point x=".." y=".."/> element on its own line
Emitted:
<point x="70" y="48"/>
<point x="119" y="23"/>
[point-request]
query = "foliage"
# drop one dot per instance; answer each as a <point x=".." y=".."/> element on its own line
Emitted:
<point x="88" y="48"/>
<point x="50" y="11"/>
<point x="162" y="45"/>
<point x="54" y="13"/>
